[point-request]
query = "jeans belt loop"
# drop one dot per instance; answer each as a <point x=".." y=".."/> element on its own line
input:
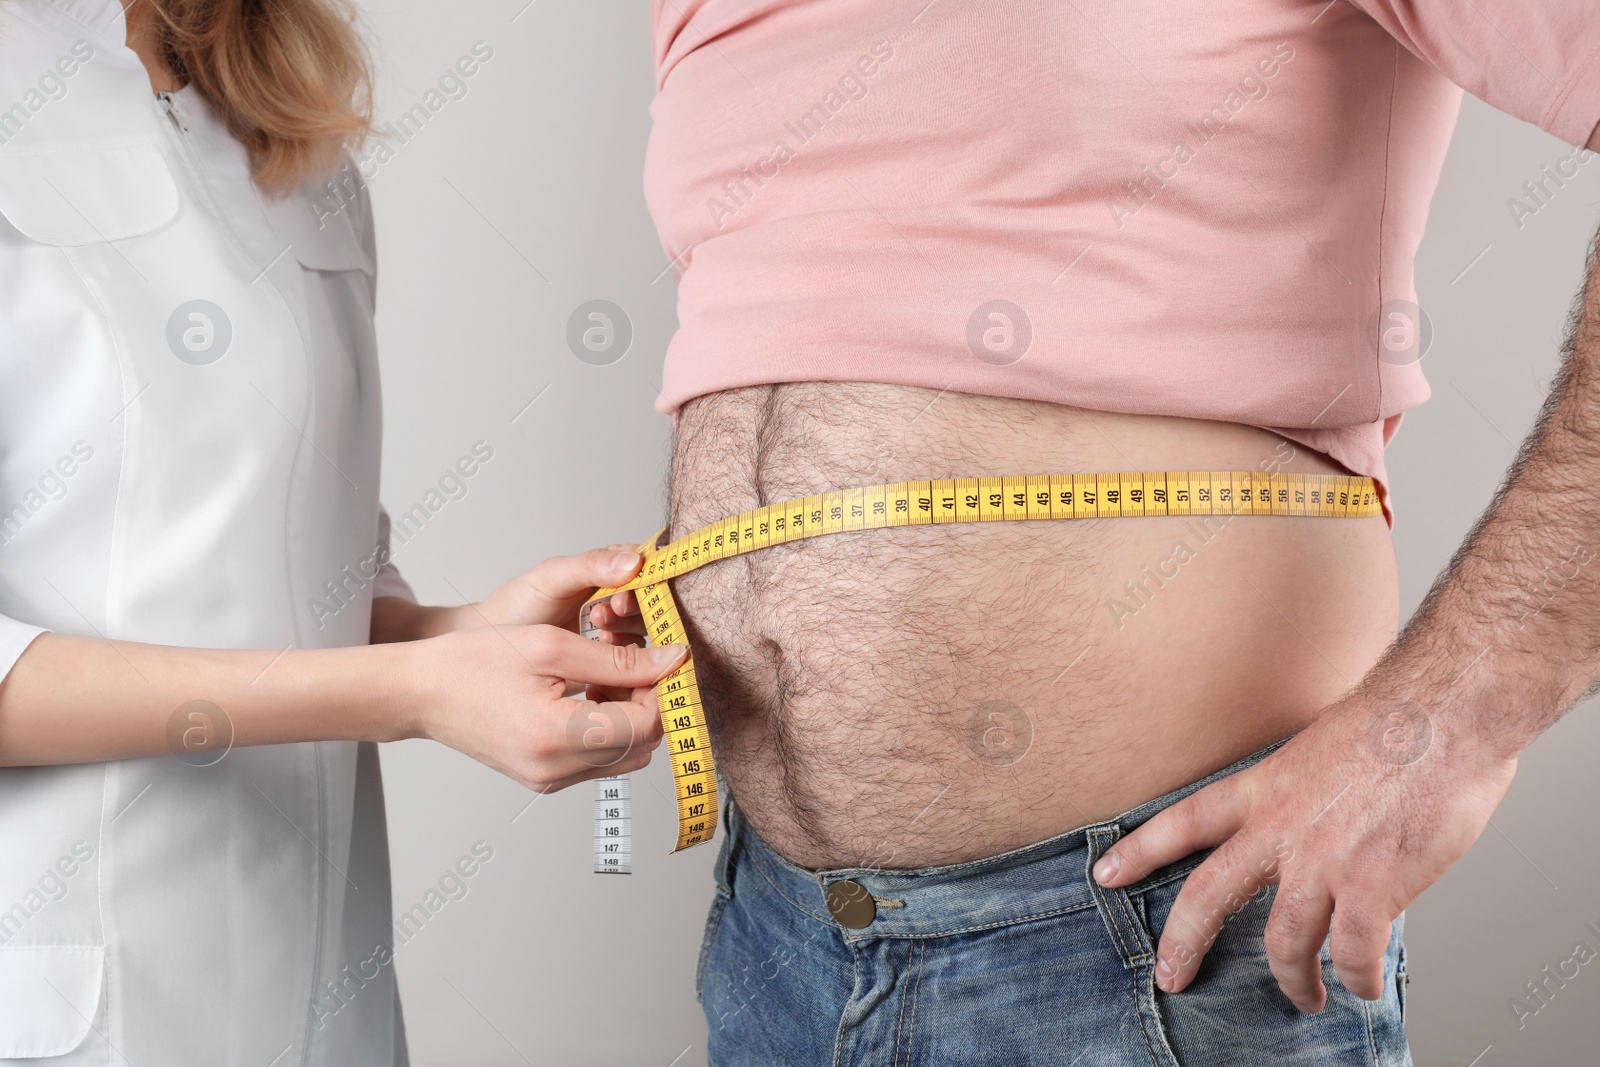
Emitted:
<point x="1121" y="913"/>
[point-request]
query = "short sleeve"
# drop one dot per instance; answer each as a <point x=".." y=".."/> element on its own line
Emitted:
<point x="367" y="233"/>
<point x="1538" y="60"/>
<point x="389" y="581"/>
<point x="15" y="637"/>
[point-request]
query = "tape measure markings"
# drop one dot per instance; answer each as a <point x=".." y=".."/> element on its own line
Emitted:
<point x="613" y="825"/>
<point x="959" y="500"/>
<point x="1125" y="494"/>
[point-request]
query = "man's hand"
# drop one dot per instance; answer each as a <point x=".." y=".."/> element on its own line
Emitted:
<point x="1369" y="805"/>
<point x="1352" y="819"/>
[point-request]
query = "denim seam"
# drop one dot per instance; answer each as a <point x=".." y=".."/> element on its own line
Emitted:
<point x="1138" y="1009"/>
<point x="1045" y="847"/>
<point x="900" y="1020"/>
<point x="1116" y="932"/>
<point x="855" y="992"/>
<point x="1086" y="905"/>
<point x="1372" y="1038"/>
<point x="719" y="907"/>
<point x="1157" y="1033"/>
<point x="855" y="938"/>
<point x="1126" y="907"/>
<point x="761" y="869"/>
<point x="1140" y="889"/>
<point x="1163" y="1036"/>
<point x="916" y="993"/>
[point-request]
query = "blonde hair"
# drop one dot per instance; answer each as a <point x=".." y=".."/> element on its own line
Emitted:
<point x="289" y="78"/>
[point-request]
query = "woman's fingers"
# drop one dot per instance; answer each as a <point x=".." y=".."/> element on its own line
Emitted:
<point x="549" y="593"/>
<point x="569" y="741"/>
<point x="562" y="654"/>
<point x="602" y="733"/>
<point x="563" y="579"/>
<point x="645" y="695"/>
<point x="605" y="616"/>
<point x="632" y="761"/>
<point x="611" y="692"/>
<point x="498" y="695"/>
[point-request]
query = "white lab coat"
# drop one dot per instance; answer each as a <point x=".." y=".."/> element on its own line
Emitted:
<point x="157" y="486"/>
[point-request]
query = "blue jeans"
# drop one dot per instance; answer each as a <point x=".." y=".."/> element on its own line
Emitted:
<point x="1018" y="959"/>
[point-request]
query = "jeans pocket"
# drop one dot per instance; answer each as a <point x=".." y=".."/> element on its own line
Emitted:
<point x="1234" y="1012"/>
<point x="719" y="904"/>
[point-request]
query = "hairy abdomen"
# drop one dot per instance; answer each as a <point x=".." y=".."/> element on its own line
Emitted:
<point x="922" y="695"/>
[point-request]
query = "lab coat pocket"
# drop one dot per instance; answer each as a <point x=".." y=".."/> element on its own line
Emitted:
<point x="49" y="996"/>
<point x="86" y="195"/>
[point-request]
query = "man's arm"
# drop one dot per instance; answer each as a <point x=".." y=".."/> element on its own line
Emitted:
<point x="1369" y="805"/>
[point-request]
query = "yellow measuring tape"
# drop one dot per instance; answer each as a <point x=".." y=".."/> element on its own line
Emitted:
<point x="927" y="503"/>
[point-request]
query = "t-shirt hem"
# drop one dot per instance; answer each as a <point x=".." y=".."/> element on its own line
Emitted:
<point x="1359" y="449"/>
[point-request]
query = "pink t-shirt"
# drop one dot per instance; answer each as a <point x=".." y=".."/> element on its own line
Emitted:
<point x="1207" y="209"/>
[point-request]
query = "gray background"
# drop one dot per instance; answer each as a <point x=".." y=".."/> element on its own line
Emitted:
<point x="522" y="200"/>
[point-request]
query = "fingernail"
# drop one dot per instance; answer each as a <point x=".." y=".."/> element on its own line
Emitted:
<point x="1164" y="974"/>
<point x="663" y="655"/>
<point x="622" y="562"/>
<point x="1106" y="869"/>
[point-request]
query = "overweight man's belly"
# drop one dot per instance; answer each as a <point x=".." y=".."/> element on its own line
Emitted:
<point x="925" y="695"/>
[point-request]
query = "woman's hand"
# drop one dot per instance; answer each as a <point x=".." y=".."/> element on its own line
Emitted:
<point x="552" y="592"/>
<point x="618" y="621"/>
<point x="497" y="694"/>
<point x="547" y="595"/>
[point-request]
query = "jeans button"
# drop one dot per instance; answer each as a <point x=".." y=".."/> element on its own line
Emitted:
<point x="850" y="904"/>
